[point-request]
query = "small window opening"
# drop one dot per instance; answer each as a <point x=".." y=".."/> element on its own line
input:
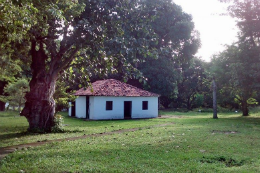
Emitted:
<point x="109" y="105"/>
<point x="145" y="105"/>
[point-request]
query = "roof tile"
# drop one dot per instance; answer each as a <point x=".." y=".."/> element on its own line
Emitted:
<point x="112" y="87"/>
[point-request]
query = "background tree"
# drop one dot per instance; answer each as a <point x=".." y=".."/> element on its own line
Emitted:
<point x="219" y="67"/>
<point x="16" y="18"/>
<point x="214" y="91"/>
<point x="2" y="101"/>
<point x="177" y="44"/>
<point x="16" y="92"/>
<point x="14" y="26"/>
<point x="62" y="97"/>
<point x="159" y="69"/>
<point x="191" y="84"/>
<point x="236" y="78"/>
<point x="10" y="70"/>
<point x="241" y="61"/>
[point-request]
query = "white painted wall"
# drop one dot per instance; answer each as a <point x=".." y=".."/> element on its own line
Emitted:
<point x="91" y="107"/>
<point x="80" y="107"/>
<point x="69" y="112"/>
<point x="6" y="104"/>
<point x="98" y="107"/>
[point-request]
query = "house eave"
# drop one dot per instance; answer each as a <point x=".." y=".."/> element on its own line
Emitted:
<point x="115" y="96"/>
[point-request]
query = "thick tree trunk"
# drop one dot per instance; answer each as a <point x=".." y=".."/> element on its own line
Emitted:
<point x="40" y="106"/>
<point x="190" y="101"/>
<point x="188" y="104"/>
<point x="2" y="85"/>
<point x="2" y="106"/>
<point x="244" y="106"/>
<point x="214" y="88"/>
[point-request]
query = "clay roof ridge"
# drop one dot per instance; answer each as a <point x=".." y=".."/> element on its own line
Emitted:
<point x="112" y="87"/>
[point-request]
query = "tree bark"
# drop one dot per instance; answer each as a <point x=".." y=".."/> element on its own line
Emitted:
<point x="244" y="106"/>
<point x="2" y="85"/>
<point x="40" y="106"/>
<point x="214" y="88"/>
<point x="2" y="106"/>
<point x="188" y="104"/>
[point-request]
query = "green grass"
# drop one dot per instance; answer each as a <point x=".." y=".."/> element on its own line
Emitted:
<point x="194" y="142"/>
<point x="13" y="128"/>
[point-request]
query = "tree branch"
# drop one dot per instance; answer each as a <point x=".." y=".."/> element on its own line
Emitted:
<point x="65" y="63"/>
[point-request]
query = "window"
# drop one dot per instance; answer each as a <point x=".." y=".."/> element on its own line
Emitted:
<point x="109" y="105"/>
<point x="145" y="105"/>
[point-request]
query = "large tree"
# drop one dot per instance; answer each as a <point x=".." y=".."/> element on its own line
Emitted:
<point x="177" y="44"/>
<point x="243" y="57"/>
<point x="191" y="84"/>
<point x="67" y="33"/>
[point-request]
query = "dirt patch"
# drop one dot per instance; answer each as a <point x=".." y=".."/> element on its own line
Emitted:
<point x="229" y="162"/>
<point x="7" y="150"/>
<point x="224" y="132"/>
<point x="169" y="116"/>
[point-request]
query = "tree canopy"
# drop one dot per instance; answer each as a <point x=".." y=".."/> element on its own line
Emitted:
<point x="241" y="60"/>
<point x="101" y="35"/>
<point x="149" y="41"/>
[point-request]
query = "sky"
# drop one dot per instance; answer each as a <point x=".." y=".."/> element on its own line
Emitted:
<point x="215" y="30"/>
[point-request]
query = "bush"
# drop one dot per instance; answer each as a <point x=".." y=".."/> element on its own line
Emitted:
<point x="58" y="120"/>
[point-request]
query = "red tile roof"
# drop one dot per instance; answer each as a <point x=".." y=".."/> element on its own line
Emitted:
<point x="112" y="87"/>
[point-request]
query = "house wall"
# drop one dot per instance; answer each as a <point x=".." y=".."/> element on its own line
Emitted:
<point x="91" y="107"/>
<point x="69" y="112"/>
<point x="98" y="107"/>
<point x="81" y="107"/>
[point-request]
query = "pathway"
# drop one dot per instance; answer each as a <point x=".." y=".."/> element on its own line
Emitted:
<point x="4" y="151"/>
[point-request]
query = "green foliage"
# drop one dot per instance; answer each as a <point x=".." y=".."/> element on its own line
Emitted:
<point x="83" y="36"/>
<point x="16" y="92"/>
<point x="237" y="68"/>
<point x="250" y="101"/>
<point x="62" y="96"/>
<point x="192" y="83"/>
<point x="199" y="100"/>
<point x="15" y="21"/>
<point x="59" y="123"/>
<point x="156" y="39"/>
<point x="177" y="44"/>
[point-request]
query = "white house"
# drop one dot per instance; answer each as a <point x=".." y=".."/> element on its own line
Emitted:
<point x="112" y="99"/>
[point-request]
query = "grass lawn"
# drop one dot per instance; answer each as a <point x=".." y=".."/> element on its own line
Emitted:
<point x="191" y="142"/>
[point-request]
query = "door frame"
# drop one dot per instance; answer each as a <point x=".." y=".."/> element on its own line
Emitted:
<point x="127" y="109"/>
<point x="73" y="109"/>
<point x="87" y="107"/>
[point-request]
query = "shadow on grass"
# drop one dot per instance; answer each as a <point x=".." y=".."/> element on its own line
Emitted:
<point x="27" y="134"/>
<point x="254" y="120"/>
<point x="12" y="135"/>
<point x="75" y="122"/>
<point x="9" y="114"/>
<point x="228" y="161"/>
